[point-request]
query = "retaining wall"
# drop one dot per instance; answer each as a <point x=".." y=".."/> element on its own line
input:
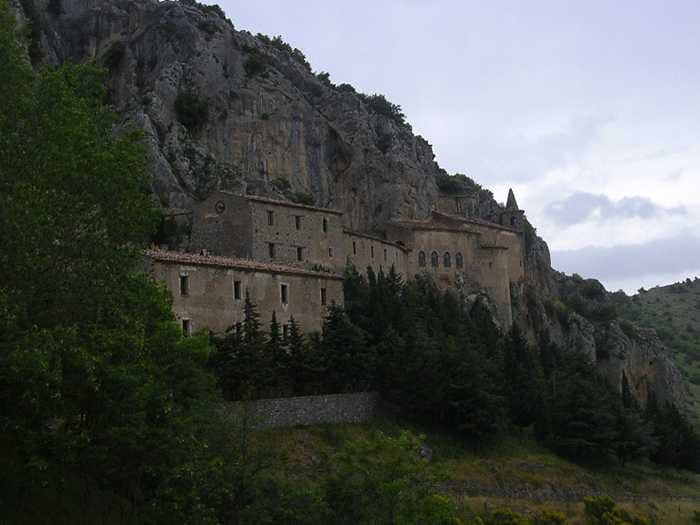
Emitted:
<point x="309" y="410"/>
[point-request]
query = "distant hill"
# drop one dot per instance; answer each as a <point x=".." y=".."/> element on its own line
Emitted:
<point x="674" y="311"/>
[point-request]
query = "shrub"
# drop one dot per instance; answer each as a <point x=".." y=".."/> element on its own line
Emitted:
<point x="381" y="106"/>
<point x="255" y="64"/>
<point x="549" y="517"/>
<point x="346" y="88"/>
<point x="281" y="184"/>
<point x="191" y="110"/>
<point x="114" y="55"/>
<point x="301" y="197"/>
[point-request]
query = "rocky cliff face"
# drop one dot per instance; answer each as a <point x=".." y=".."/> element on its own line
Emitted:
<point x="223" y="109"/>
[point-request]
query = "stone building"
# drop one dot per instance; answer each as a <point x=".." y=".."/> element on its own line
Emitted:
<point x="268" y="230"/>
<point x="209" y="291"/>
<point x="291" y="257"/>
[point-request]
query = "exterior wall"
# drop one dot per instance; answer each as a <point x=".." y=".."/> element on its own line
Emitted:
<point x="496" y="282"/>
<point x="442" y="243"/>
<point x="364" y="251"/>
<point x="210" y="302"/>
<point x="461" y="205"/>
<point x="222" y="225"/>
<point x="319" y="248"/>
<point x="309" y="410"/>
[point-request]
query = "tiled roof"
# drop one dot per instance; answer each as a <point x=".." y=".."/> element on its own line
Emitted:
<point x="474" y="220"/>
<point x="230" y="262"/>
<point x="375" y="238"/>
<point x="290" y="204"/>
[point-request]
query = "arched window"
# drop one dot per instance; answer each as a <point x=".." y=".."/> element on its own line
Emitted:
<point x="421" y="259"/>
<point x="447" y="260"/>
<point x="434" y="260"/>
<point x="459" y="261"/>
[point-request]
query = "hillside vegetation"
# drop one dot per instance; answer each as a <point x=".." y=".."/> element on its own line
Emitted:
<point x="674" y="311"/>
<point x="514" y="473"/>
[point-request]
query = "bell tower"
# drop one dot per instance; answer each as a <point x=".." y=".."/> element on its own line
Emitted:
<point x="513" y="216"/>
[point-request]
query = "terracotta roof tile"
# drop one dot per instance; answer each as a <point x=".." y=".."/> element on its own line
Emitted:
<point x="231" y="262"/>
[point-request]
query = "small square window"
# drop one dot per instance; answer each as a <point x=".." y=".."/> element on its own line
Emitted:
<point x="184" y="285"/>
<point x="186" y="327"/>
<point x="300" y="253"/>
<point x="323" y="297"/>
<point x="237" y="290"/>
<point x="297" y="222"/>
<point x="284" y="293"/>
<point x="270" y="218"/>
<point x="271" y="250"/>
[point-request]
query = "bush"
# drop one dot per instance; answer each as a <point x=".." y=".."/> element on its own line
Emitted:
<point x="255" y="64"/>
<point x="381" y="106"/>
<point x="302" y="198"/>
<point x="191" y="110"/>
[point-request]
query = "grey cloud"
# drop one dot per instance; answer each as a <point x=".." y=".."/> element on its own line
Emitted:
<point x="580" y="206"/>
<point x="674" y="255"/>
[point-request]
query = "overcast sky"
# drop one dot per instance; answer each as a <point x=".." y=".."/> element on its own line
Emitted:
<point x="590" y="110"/>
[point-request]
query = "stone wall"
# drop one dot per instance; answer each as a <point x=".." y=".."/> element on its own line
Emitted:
<point x="309" y="410"/>
<point x="212" y="303"/>
<point x="317" y="232"/>
<point x="363" y="251"/>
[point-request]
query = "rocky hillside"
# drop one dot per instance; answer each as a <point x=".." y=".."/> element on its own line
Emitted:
<point x="221" y="108"/>
<point x="674" y="312"/>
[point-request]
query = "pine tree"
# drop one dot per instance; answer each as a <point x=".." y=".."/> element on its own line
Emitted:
<point x="347" y="361"/>
<point x="523" y="379"/>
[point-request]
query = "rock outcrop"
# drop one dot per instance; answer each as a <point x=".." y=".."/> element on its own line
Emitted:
<point x="223" y="109"/>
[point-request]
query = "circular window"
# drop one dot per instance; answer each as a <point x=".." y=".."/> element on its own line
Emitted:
<point x="220" y="207"/>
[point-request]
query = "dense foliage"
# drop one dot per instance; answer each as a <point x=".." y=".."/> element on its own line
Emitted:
<point x="447" y="365"/>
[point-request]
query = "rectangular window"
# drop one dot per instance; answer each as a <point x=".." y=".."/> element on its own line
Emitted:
<point x="270" y="218"/>
<point x="284" y="293"/>
<point x="271" y="250"/>
<point x="354" y="248"/>
<point x="237" y="290"/>
<point x="297" y="222"/>
<point x="323" y="296"/>
<point x="330" y="252"/>
<point x="385" y="255"/>
<point x="184" y="285"/>
<point x="325" y="225"/>
<point x="300" y="253"/>
<point x="186" y="327"/>
<point x="371" y="251"/>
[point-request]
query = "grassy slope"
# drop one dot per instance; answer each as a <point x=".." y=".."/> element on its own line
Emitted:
<point x="674" y="311"/>
<point x="518" y="474"/>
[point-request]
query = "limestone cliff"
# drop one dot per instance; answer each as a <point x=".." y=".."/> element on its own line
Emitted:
<point x="223" y="109"/>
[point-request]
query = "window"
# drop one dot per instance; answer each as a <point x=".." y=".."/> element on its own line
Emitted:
<point x="447" y="260"/>
<point x="300" y="253"/>
<point x="434" y="260"/>
<point x="186" y="327"/>
<point x="421" y="259"/>
<point x="297" y="222"/>
<point x="323" y="296"/>
<point x="270" y="218"/>
<point x="512" y="221"/>
<point x="237" y="290"/>
<point x="371" y="251"/>
<point x="385" y="255"/>
<point x="271" y="250"/>
<point x="284" y="295"/>
<point x="325" y="225"/>
<point x="354" y="248"/>
<point x="459" y="261"/>
<point x="184" y="284"/>
<point x="330" y="252"/>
